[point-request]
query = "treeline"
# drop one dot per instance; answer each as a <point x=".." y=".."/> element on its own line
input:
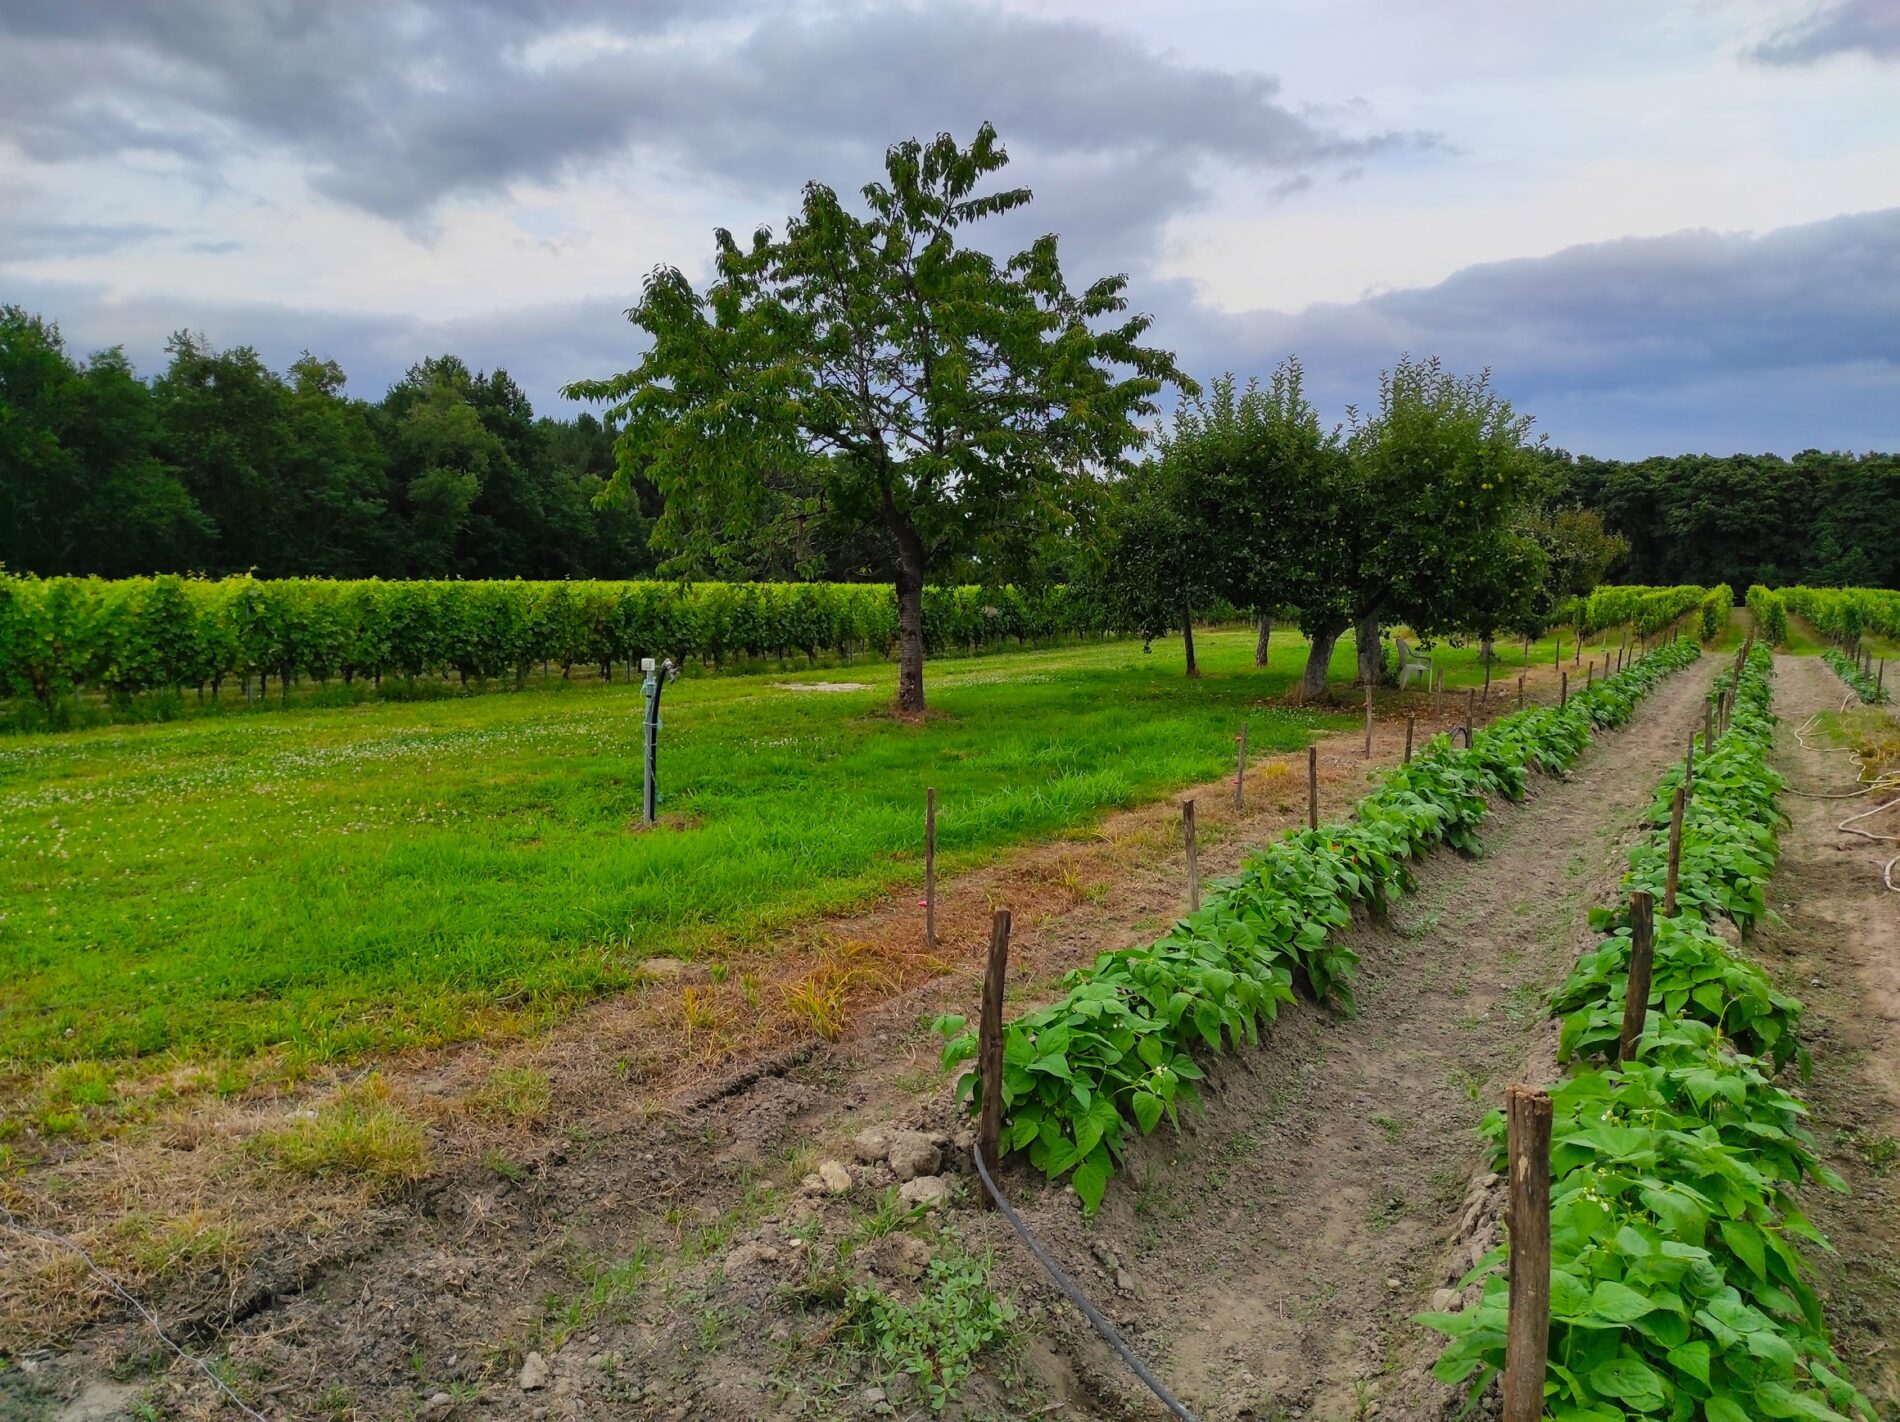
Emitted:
<point x="1431" y="510"/>
<point x="1819" y="519"/>
<point x="220" y="464"/>
<point x="62" y="635"/>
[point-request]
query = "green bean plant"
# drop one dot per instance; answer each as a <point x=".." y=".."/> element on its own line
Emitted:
<point x="1118" y="1051"/>
<point x="1678" y="1289"/>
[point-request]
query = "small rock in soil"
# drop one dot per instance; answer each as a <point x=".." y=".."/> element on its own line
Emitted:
<point x="870" y="1145"/>
<point x="912" y="1153"/>
<point x="534" y="1373"/>
<point x="835" y="1178"/>
<point x="930" y="1191"/>
<point x="750" y="1256"/>
<point x="899" y="1256"/>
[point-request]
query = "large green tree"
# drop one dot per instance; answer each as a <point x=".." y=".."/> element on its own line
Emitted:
<point x="1416" y="529"/>
<point x="1217" y="512"/>
<point x="875" y="371"/>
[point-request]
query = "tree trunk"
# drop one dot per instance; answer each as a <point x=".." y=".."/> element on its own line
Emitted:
<point x="912" y="567"/>
<point x="1319" y="660"/>
<point x="1371" y="656"/>
<point x="1260" y="641"/>
<point x="1187" y="639"/>
<point x="910" y="641"/>
<point x="1487" y="651"/>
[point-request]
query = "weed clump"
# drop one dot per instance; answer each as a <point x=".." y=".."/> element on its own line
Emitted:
<point x="362" y="1133"/>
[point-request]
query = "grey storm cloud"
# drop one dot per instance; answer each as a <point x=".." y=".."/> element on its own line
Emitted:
<point x="1638" y="346"/>
<point x="393" y="108"/>
<point x="1866" y="27"/>
<point x="1708" y="330"/>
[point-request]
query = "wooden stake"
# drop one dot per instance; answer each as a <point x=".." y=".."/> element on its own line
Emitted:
<point x="1193" y="856"/>
<point x="1312" y="787"/>
<point x="1240" y="770"/>
<point x="1563" y="689"/>
<point x="989" y="1047"/>
<point x="1408" y="737"/>
<point x="1590" y="674"/>
<point x="1527" y="1215"/>
<point x="1471" y="713"/>
<point x="1675" y="853"/>
<point x="1520" y="691"/>
<point x="1557" y="658"/>
<point x="930" y="868"/>
<point x="1368" y="719"/>
<point x="1642" y="962"/>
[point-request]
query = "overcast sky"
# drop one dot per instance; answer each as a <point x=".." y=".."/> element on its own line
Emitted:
<point x="1665" y="224"/>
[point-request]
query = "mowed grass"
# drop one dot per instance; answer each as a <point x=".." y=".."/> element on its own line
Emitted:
<point x="332" y="883"/>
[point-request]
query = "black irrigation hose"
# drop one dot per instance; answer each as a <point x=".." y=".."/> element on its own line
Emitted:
<point x="1067" y="1285"/>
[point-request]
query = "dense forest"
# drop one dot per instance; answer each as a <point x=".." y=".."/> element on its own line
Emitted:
<point x="1826" y="520"/>
<point x="218" y="464"/>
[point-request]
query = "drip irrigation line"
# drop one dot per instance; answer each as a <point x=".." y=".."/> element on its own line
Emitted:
<point x="11" y="1221"/>
<point x="1881" y="783"/>
<point x="1102" y="1326"/>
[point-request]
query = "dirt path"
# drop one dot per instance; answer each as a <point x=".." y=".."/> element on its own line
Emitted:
<point x="1835" y="941"/>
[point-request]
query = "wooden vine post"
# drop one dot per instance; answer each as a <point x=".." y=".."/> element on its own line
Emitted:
<point x="1528" y="1116"/>
<point x="1563" y="689"/>
<point x="1520" y="691"/>
<point x="989" y="1048"/>
<point x="1193" y="856"/>
<point x="930" y="868"/>
<point x="1471" y="713"/>
<point x="1675" y="853"/>
<point x="1642" y="965"/>
<point x="1590" y="674"/>
<point x="1409" y="719"/>
<point x="1368" y="718"/>
<point x="1240" y="769"/>
<point x="1312" y="787"/>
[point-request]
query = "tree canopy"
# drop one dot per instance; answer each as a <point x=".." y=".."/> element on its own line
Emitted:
<point x="877" y="373"/>
<point x="221" y="464"/>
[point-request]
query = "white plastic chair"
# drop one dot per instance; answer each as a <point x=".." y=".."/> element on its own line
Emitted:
<point x="1411" y="667"/>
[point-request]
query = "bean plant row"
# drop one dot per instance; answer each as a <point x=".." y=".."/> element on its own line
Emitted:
<point x="1867" y="688"/>
<point x="1678" y="1289"/>
<point x="1117" y="1054"/>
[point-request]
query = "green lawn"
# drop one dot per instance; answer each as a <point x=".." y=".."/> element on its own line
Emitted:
<point x="344" y="880"/>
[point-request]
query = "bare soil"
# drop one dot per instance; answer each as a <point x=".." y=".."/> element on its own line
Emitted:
<point x="655" y="1245"/>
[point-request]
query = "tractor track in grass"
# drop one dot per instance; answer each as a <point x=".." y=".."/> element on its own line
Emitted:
<point x="441" y="1291"/>
<point x="1833" y="940"/>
